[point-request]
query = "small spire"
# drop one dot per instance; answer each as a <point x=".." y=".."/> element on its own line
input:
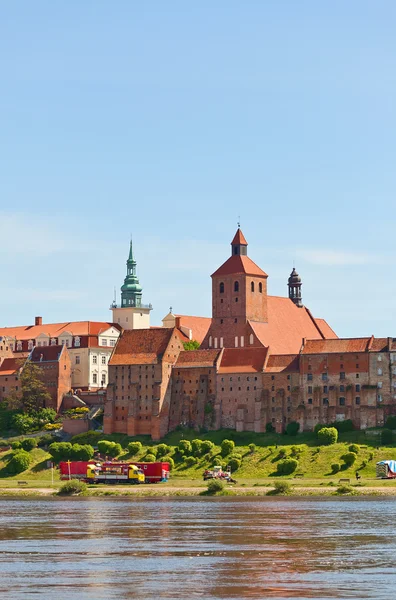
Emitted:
<point x="170" y="309"/>
<point x="130" y="257"/>
<point x="239" y="222"/>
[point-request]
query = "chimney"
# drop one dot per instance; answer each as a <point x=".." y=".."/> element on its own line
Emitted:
<point x="38" y="320"/>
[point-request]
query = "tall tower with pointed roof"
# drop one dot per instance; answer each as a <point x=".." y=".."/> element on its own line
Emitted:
<point x="294" y="284"/>
<point x="132" y="313"/>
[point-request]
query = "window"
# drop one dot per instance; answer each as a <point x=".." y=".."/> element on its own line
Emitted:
<point x="379" y="358"/>
<point x="215" y="342"/>
<point x="236" y="299"/>
<point x="236" y="341"/>
<point x="379" y="371"/>
<point x="242" y="341"/>
<point x="95" y="378"/>
<point x="77" y="360"/>
<point x="357" y="387"/>
<point x="342" y="401"/>
<point x="236" y="286"/>
<point x="309" y="400"/>
<point x="103" y="360"/>
<point x="68" y="343"/>
<point x="221" y="321"/>
<point x="325" y="389"/>
<point x="112" y="343"/>
<point x="342" y="388"/>
<point x="342" y="375"/>
<point x="310" y="389"/>
<point x="103" y="382"/>
<point x="272" y="377"/>
<point x="251" y="339"/>
<point x="260" y="287"/>
<point x="357" y="400"/>
<point x="221" y="342"/>
<point x="252" y="286"/>
<point x="95" y="359"/>
<point x="324" y="376"/>
<point x="221" y="288"/>
<point x="19" y="345"/>
<point x="210" y="341"/>
<point x="357" y="375"/>
<point x="379" y="385"/>
<point x="104" y="342"/>
<point x="76" y="342"/>
<point x="30" y="345"/>
<point x="235" y="320"/>
<point x="379" y="398"/>
<point x="325" y="401"/>
<point x="309" y="376"/>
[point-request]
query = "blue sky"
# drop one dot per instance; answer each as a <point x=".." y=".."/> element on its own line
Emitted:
<point x="170" y="119"/>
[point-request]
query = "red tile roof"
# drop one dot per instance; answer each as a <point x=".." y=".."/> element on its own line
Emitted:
<point x="342" y="345"/>
<point x="46" y="353"/>
<point x="282" y="362"/>
<point x="239" y="239"/>
<point x="237" y="265"/>
<point x="242" y="360"/>
<point x="198" y="325"/>
<point x="380" y="345"/>
<point x="143" y="346"/>
<point x="325" y="329"/>
<point x="287" y="326"/>
<point x="197" y="358"/>
<point x="9" y="366"/>
<point x="80" y="328"/>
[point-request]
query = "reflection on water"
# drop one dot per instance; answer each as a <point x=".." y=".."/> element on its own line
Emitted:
<point x="197" y="548"/>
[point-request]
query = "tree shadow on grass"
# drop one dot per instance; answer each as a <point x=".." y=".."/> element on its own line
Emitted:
<point x="41" y="466"/>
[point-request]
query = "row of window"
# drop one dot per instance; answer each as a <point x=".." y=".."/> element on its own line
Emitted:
<point x="102" y="380"/>
<point x="94" y="360"/>
<point x="236" y="287"/>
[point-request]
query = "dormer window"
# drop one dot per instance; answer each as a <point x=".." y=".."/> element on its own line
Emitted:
<point x="77" y="342"/>
<point x="53" y="342"/>
<point x="19" y="345"/>
<point x="30" y="345"/>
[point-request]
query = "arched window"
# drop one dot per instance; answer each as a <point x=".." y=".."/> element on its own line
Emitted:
<point x="221" y="288"/>
<point x="260" y="287"/>
<point x="236" y="286"/>
<point x="210" y="341"/>
<point x="251" y="339"/>
<point x="252" y="286"/>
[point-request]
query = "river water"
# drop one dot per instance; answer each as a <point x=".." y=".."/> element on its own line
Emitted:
<point x="102" y="548"/>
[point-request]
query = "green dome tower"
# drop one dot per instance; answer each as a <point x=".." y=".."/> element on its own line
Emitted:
<point x="131" y="291"/>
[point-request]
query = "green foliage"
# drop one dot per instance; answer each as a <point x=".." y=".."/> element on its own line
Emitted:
<point x="327" y="436"/>
<point x="234" y="463"/>
<point x="354" y="448"/>
<point x="335" y="467"/>
<point x="89" y="437"/>
<point x="16" y="445"/>
<point x="149" y="458"/>
<point x="74" y="487"/>
<point x="391" y="422"/>
<point x="269" y="428"/>
<point x="196" y="447"/>
<point x="79" y="452"/>
<point x="20" y="461"/>
<point x="215" y="486"/>
<point x="295" y="452"/>
<point x="162" y="449"/>
<point x="135" y="447"/>
<point x="292" y="428"/>
<point x="60" y="451"/>
<point x="318" y="427"/>
<point x="282" y="453"/>
<point x="185" y="446"/>
<point x="169" y="460"/>
<point x="111" y="449"/>
<point x="349" y="458"/>
<point x="208" y="408"/>
<point x="227" y="446"/>
<point x="23" y="422"/>
<point x="343" y="426"/>
<point x="386" y="437"/>
<point x="207" y="446"/>
<point x="286" y="466"/>
<point x="190" y="461"/>
<point x="45" y="440"/>
<point x="34" y="395"/>
<point x="281" y="488"/>
<point x="29" y="444"/>
<point x="252" y="448"/>
<point x="191" y="345"/>
<point x="45" y="415"/>
<point x="346" y="490"/>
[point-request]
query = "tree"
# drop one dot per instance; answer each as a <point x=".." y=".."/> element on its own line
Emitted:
<point x="227" y="446"/>
<point x="79" y="452"/>
<point x="349" y="458"/>
<point x="292" y="428"/>
<point x="269" y="428"/>
<point x="386" y="437"/>
<point x="162" y="449"/>
<point x="149" y="458"/>
<point x="60" y="451"/>
<point x="207" y="446"/>
<point x="196" y="446"/>
<point x="134" y="448"/>
<point x="185" y="446"/>
<point x="391" y="422"/>
<point x="191" y="345"/>
<point x="29" y="444"/>
<point x="327" y="436"/>
<point x="109" y="448"/>
<point x="234" y="463"/>
<point x="19" y="462"/>
<point x="34" y="395"/>
<point x="286" y="466"/>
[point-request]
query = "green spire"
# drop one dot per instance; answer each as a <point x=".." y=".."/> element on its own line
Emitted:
<point x="131" y="291"/>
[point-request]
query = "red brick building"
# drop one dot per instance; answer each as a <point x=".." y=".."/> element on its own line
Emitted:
<point x="263" y="360"/>
<point x="56" y="372"/>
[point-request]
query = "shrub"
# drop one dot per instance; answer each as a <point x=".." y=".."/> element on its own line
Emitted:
<point x="52" y="426"/>
<point x="343" y="426"/>
<point x="282" y="453"/>
<point x="79" y="452"/>
<point x="252" y="448"/>
<point x="286" y="466"/>
<point x="23" y="422"/>
<point x="234" y="463"/>
<point x="19" y="462"/>
<point x="354" y="448"/>
<point x="281" y="488"/>
<point x="162" y="449"/>
<point x="346" y="490"/>
<point x="335" y="467"/>
<point x="185" y="446"/>
<point x="60" y="451"/>
<point x="190" y="461"/>
<point x="196" y="446"/>
<point x="16" y="445"/>
<point x="134" y="448"/>
<point x="327" y="436"/>
<point x="29" y="444"/>
<point x="269" y="428"/>
<point x="215" y="486"/>
<point x="45" y="440"/>
<point x="292" y="428"/>
<point x="349" y="458"/>
<point x="391" y="422"/>
<point x="152" y="450"/>
<point x="207" y="446"/>
<point x="318" y="427"/>
<point x="149" y="458"/>
<point x="386" y="437"/>
<point x="46" y="415"/>
<point x="72" y="488"/>
<point x="227" y="446"/>
<point x="169" y="460"/>
<point x="236" y="455"/>
<point x="109" y="448"/>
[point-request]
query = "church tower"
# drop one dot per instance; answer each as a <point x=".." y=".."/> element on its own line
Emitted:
<point x="294" y="285"/>
<point x="131" y="314"/>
